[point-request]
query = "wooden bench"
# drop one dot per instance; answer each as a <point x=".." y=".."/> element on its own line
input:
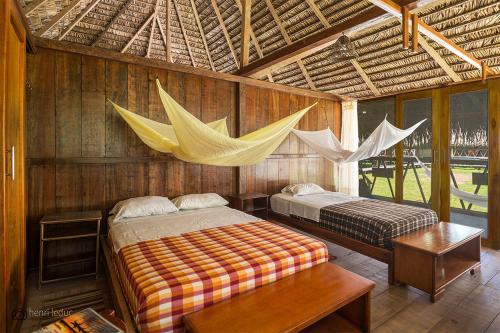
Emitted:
<point x="325" y="298"/>
<point x="432" y="258"/>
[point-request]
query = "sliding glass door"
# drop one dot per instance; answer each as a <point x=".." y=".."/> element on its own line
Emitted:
<point x="417" y="152"/>
<point x="376" y="175"/>
<point x="468" y="158"/>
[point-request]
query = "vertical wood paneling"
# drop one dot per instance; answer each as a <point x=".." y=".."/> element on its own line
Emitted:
<point x="41" y="100"/>
<point x="192" y="172"/>
<point x="68" y="105"/>
<point x="68" y="187"/>
<point x="138" y="102"/>
<point x="116" y="91"/>
<point x="262" y="107"/>
<point x="208" y="114"/>
<point x="93" y="107"/>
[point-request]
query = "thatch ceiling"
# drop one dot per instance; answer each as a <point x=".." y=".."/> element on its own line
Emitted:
<point x="206" y="33"/>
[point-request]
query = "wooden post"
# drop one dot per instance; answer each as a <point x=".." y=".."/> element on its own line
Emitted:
<point x="484" y="72"/>
<point x="245" y="32"/>
<point x="494" y="163"/>
<point x="399" y="122"/>
<point x="414" y="28"/>
<point x="405" y="27"/>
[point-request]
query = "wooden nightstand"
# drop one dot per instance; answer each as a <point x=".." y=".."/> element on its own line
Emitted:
<point x="255" y="204"/>
<point x="67" y="227"/>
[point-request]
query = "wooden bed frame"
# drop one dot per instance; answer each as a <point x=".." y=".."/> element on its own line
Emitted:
<point x="121" y="307"/>
<point x="375" y="252"/>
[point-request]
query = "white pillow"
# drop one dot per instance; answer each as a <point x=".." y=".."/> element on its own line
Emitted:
<point x="286" y="189"/>
<point x="142" y="206"/>
<point x="305" y="189"/>
<point x="199" y="201"/>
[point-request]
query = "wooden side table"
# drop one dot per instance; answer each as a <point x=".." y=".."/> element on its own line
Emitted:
<point x="432" y="258"/>
<point x="66" y="227"/>
<point x="256" y="204"/>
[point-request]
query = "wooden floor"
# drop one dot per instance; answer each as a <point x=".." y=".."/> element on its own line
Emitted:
<point x="470" y="304"/>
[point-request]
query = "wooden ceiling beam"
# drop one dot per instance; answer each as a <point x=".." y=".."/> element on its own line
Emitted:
<point x="254" y="40"/>
<point x="33" y="6"/>
<point x="428" y="31"/>
<point x="312" y="43"/>
<point x="168" y="31"/>
<point x="58" y="17"/>
<point x="288" y="41"/>
<point x="80" y="17"/>
<point x="113" y="20"/>
<point x="163" y="36"/>
<point x="440" y="61"/>
<point x="138" y="32"/>
<point x="245" y="32"/>
<point x="202" y="33"/>
<point x="365" y="77"/>
<point x="224" y="31"/>
<point x="184" y="33"/>
<point x="354" y="62"/>
<point x="151" y="35"/>
<point x="318" y="13"/>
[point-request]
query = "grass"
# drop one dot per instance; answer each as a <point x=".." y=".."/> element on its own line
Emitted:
<point x="411" y="191"/>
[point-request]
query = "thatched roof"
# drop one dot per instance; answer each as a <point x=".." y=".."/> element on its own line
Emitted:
<point x="206" y="33"/>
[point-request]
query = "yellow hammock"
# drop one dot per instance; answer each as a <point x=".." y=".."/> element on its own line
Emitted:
<point x="191" y="140"/>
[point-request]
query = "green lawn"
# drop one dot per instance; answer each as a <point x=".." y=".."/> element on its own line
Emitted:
<point x="411" y="191"/>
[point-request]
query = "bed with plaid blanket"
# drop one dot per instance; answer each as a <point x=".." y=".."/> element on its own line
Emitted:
<point x="375" y="222"/>
<point x="167" y="278"/>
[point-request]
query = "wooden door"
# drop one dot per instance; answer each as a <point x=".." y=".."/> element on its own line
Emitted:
<point x="12" y="69"/>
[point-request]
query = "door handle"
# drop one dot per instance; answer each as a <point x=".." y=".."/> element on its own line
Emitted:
<point x="12" y="173"/>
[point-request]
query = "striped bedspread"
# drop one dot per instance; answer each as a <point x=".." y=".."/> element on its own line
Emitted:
<point x="167" y="278"/>
<point x="375" y="222"/>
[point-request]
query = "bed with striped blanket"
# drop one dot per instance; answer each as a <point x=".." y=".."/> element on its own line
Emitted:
<point x="164" y="279"/>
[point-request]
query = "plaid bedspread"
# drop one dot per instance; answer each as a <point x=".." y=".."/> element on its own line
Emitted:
<point x="167" y="278"/>
<point x="375" y="222"/>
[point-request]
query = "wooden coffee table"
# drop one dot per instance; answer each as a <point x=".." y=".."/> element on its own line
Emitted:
<point x="431" y="258"/>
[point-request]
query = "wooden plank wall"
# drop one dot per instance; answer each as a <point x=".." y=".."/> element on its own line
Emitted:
<point x="293" y="161"/>
<point x="82" y="155"/>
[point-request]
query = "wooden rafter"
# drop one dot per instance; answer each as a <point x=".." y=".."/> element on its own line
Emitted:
<point x="365" y="77"/>
<point x="245" y="32"/>
<point x="163" y="36"/>
<point x="224" y="30"/>
<point x="312" y="43"/>
<point x="122" y="9"/>
<point x="254" y="40"/>
<point x="440" y="61"/>
<point x="138" y="32"/>
<point x="202" y="33"/>
<point x="288" y="41"/>
<point x="80" y="17"/>
<point x="396" y="10"/>
<point x="32" y="6"/>
<point x="168" y="28"/>
<point x="151" y="35"/>
<point x="318" y="13"/>
<point x="58" y="17"/>
<point x="354" y="62"/>
<point x="184" y="33"/>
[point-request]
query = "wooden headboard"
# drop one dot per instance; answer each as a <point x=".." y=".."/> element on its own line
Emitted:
<point x="82" y="155"/>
